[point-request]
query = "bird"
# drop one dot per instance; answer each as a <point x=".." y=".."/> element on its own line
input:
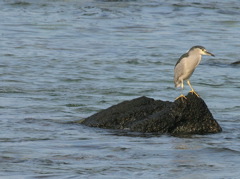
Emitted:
<point x="186" y="65"/>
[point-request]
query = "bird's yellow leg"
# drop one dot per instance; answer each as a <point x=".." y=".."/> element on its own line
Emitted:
<point x="181" y="96"/>
<point x="192" y="90"/>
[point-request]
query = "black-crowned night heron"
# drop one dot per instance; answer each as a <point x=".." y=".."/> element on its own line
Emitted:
<point x="186" y="65"/>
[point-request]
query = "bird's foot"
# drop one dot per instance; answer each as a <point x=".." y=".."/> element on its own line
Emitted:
<point x="194" y="92"/>
<point x="181" y="96"/>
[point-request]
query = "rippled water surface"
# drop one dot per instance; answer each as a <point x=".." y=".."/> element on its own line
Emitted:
<point x="64" y="60"/>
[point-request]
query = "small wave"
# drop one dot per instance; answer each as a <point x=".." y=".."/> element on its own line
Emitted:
<point x="225" y="149"/>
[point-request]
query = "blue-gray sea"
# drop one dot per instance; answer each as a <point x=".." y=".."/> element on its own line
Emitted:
<point x="64" y="60"/>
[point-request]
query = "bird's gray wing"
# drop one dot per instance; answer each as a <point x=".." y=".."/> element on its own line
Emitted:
<point x="183" y="56"/>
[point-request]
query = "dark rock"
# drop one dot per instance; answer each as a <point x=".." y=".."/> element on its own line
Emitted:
<point x="183" y="116"/>
<point x="236" y="63"/>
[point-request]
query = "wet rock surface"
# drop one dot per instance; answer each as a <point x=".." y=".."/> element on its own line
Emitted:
<point x="146" y="115"/>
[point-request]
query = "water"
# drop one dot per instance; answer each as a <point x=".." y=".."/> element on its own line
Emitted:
<point x="64" y="60"/>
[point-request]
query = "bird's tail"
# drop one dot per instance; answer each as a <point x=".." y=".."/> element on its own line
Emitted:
<point x="177" y="83"/>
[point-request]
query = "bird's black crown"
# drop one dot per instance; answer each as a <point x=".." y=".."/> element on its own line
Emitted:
<point x="197" y="46"/>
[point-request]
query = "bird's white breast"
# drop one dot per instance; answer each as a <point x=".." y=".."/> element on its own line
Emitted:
<point x="190" y="65"/>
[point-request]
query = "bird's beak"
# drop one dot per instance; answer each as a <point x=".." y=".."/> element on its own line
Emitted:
<point x="208" y="53"/>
